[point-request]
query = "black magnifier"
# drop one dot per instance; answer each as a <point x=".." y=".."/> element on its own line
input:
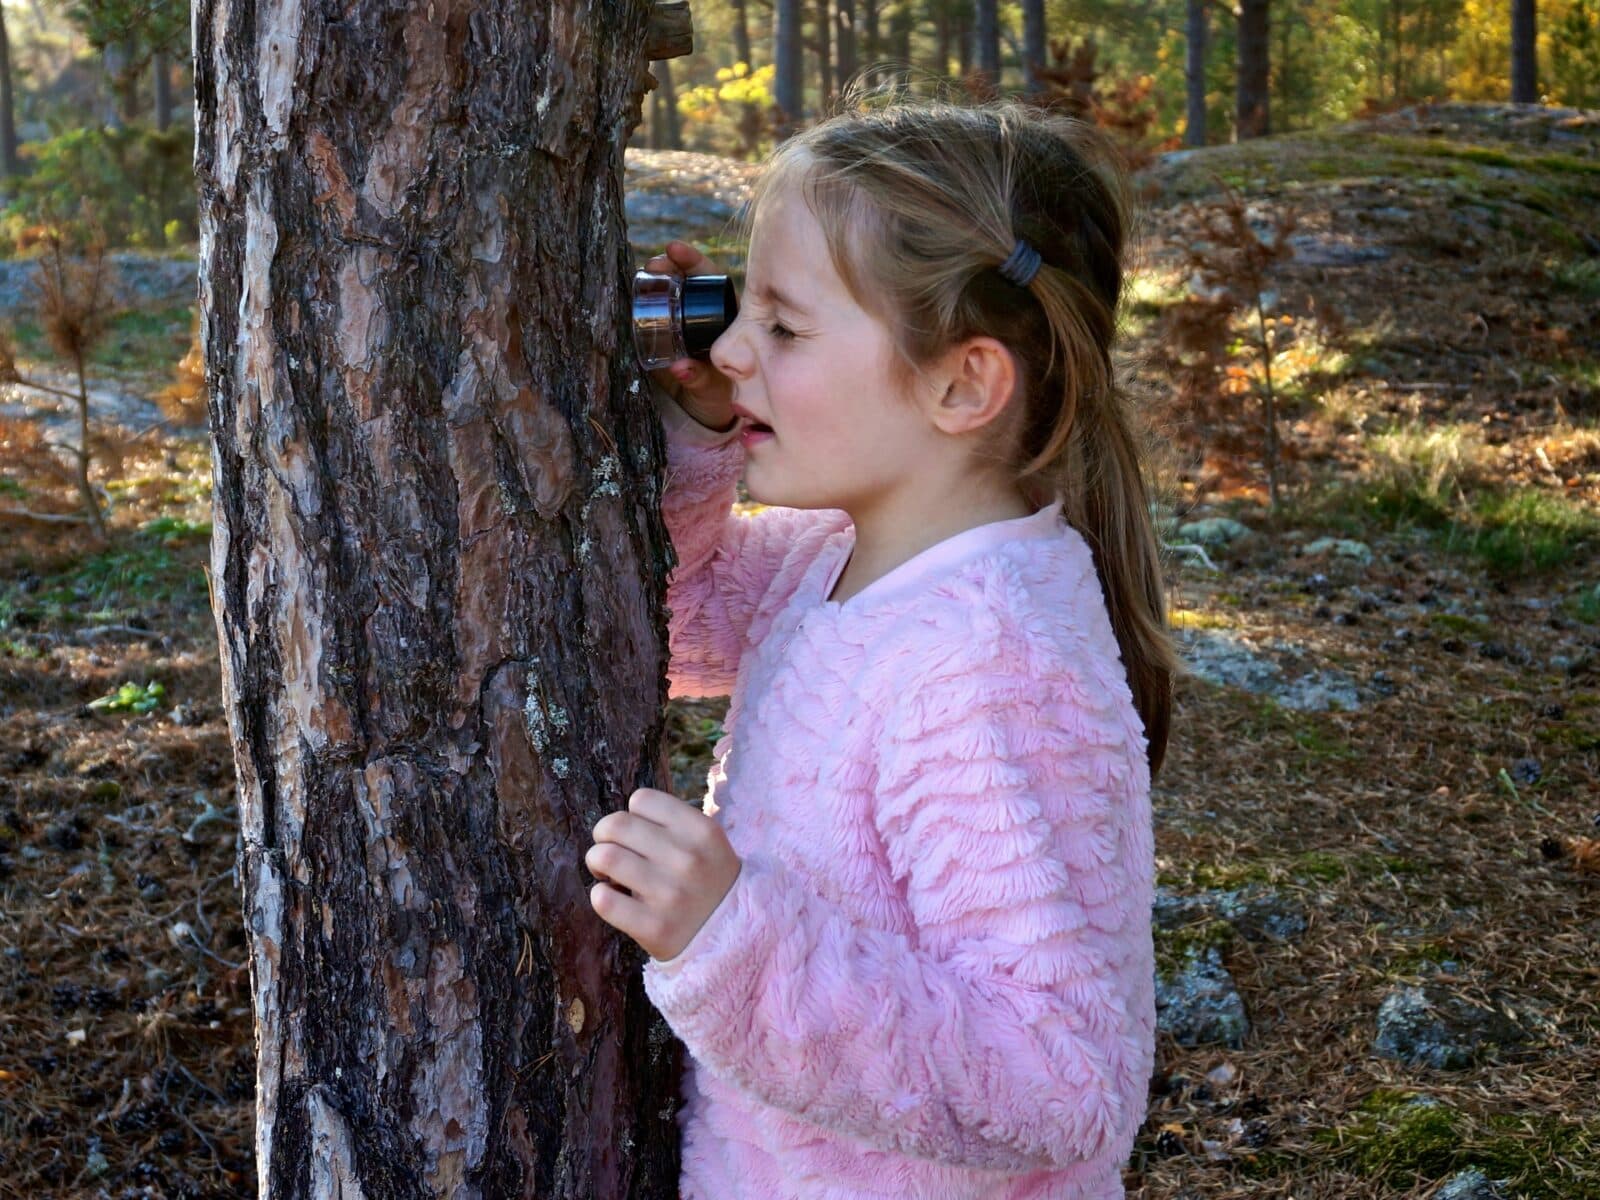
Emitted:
<point x="675" y="317"/>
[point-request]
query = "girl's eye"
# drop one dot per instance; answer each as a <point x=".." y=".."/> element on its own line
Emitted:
<point x="779" y="332"/>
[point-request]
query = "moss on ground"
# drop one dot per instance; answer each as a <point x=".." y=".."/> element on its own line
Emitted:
<point x="1401" y="1138"/>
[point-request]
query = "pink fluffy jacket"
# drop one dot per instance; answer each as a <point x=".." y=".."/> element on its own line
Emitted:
<point x="932" y="979"/>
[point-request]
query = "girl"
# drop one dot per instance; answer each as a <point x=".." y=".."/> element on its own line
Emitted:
<point x="907" y="942"/>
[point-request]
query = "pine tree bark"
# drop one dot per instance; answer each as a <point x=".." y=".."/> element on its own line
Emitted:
<point x="1194" y="125"/>
<point x="1524" y="52"/>
<point x="1255" y="75"/>
<point x="437" y="568"/>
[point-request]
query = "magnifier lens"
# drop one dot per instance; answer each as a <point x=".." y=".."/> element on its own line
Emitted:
<point x="675" y="318"/>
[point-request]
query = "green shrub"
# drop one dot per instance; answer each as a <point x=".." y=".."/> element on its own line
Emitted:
<point x="139" y="181"/>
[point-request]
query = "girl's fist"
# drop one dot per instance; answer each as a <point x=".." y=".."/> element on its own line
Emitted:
<point x="675" y="863"/>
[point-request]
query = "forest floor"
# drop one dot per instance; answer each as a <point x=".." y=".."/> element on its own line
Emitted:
<point x="1433" y="837"/>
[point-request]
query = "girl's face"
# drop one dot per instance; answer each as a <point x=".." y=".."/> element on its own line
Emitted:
<point x="805" y="359"/>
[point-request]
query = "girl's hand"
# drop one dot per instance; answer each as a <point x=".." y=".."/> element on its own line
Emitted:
<point x="704" y="392"/>
<point x="675" y="863"/>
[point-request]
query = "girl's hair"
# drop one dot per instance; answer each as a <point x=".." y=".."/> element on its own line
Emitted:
<point x="921" y="201"/>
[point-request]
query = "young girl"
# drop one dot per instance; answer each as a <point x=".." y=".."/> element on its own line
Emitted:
<point x="907" y="942"/>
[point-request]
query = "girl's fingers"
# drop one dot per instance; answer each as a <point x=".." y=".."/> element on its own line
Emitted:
<point x="618" y="866"/>
<point x="620" y="911"/>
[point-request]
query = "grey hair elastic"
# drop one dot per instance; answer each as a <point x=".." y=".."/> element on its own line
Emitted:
<point x="1023" y="264"/>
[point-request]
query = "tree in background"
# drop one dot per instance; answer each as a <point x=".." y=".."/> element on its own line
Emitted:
<point x="1524" y="53"/>
<point x="132" y="36"/>
<point x="1195" y="21"/>
<point x="845" y="38"/>
<point x="787" y="57"/>
<point x="986" y="34"/>
<point x="1574" y="72"/>
<point x="10" y="164"/>
<point x="1253" y="88"/>
<point x="1034" y="40"/>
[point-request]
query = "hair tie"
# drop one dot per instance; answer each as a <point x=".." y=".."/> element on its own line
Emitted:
<point x="1023" y="264"/>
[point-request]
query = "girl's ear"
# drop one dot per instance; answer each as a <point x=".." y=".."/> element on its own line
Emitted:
<point x="981" y="376"/>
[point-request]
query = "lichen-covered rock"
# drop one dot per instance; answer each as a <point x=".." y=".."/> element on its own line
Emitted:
<point x="1257" y="913"/>
<point x="1213" y="531"/>
<point x="1198" y="1004"/>
<point x="1340" y="548"/>
<point x="1469" y="1185"/>
<point x="1221" y="657"/>
<point x="1430" y="1025"/>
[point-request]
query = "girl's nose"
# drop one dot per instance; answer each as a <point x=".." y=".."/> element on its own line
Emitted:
<point x="729" y="354"/>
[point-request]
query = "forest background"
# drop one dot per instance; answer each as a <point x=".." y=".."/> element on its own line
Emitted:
<point x="1365" y="314"/>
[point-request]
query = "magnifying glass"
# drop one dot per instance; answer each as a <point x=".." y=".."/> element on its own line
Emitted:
<point x="675" y="318"/>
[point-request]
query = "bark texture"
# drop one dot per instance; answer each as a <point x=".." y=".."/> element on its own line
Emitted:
<point x="437" y="568"/>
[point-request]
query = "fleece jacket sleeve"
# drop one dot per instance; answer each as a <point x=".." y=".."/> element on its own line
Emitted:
<point x="726" y="562"/>
<point x="1000" y="1035"/>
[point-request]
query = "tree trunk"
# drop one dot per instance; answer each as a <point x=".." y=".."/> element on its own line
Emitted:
<point x="1194" y="125"/>
<point x="1034" y="44"/>
<point x="161" y="75"/>
<point x="1398" y="8"/>
<point x="845" y="37"/>
<point x="10" y="164"/>
<point x="787" y="88"/>
<point x="741" y="34"/>
<point x="824" y="11"/>
<point x="871" y="37"/>
<point x="988" y="34"/>
<point x="437" y="568"/>
<point x="673" y="131"/>
<point x="1250" y="97"/>
<point x="1524" y="53"/>
<point x="900" y="32"/>
<point x="127" y="82"/>
<point x="987" y="38"/>
<point x="942" y="20"/>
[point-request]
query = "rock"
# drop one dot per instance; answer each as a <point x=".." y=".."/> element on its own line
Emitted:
<point x="1327" y="250"/>
<point x="1213" y="531"/>
<point x="1469" y="1185"/>
<point x="1198" y="1003"/>
<point x="1433" y="1026"/>
<point x="1256" y="913"/>
<point x="1219" y="656"/>
<point x="1340" y="548"/>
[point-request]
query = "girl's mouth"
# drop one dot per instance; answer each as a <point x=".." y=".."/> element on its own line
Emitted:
<point x="755" y="432"/>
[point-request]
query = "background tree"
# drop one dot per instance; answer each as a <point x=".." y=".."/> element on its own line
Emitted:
<point x="986" y="35"/>
<point x="1524" y="53"/>
<point x="130" y="35"/>
<point x="845" y="38"/>
<point x="788" y="55"/>
<point x="10" y="164"/>
<point x="1034" y="45"/>
<point x="437" y="571"/>
<point x="1196" y="19"/>
<point x="741" y="34"/>
<point x="1253" y="87"/>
